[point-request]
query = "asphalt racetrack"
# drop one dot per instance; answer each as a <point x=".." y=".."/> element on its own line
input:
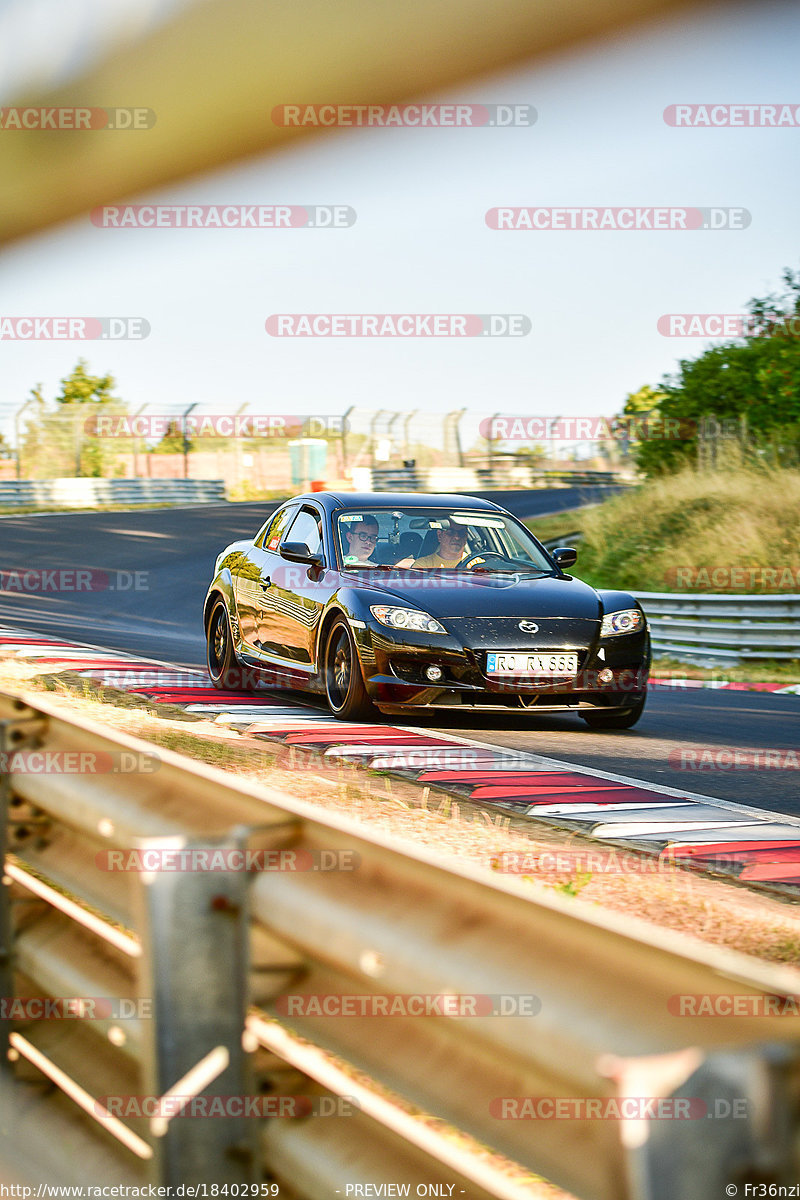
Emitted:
<point x="153" y="569"/>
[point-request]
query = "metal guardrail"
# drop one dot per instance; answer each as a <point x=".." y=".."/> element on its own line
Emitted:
<point x="545" y="478"/>
<point x="219" y="956"/>
<point x="501" y="474"/>
<point x="82" y="493"/>
<point x="690" y="626"/>
<point x="724" y="627"/>
<point x="398" y="479"/>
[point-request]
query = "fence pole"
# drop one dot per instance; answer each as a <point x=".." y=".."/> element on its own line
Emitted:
<point x="184" y="416"/>
<point x="17" y="445"/>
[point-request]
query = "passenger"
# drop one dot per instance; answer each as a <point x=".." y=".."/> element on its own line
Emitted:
<point x="362" y="538"/>
<point x="452" y="549"/>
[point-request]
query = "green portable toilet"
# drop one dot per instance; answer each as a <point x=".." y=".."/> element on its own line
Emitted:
<point x="308" y="459"/>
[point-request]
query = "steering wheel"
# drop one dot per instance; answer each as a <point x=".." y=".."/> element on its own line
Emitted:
<point x="483" y="554"/>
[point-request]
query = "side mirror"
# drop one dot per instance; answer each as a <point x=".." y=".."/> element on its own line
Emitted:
<point x="565" y="556"/>
<point x="299" y="552"/>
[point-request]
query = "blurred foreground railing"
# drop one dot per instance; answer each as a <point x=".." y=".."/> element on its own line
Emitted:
<point x="210" y="984"/>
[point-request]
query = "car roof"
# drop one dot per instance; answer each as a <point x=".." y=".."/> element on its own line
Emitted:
<point x="333" y="500"/>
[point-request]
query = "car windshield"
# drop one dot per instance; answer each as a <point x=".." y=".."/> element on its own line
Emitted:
<point x="437" y="539"/>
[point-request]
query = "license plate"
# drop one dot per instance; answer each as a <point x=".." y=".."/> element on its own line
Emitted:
<point x="532" y="664"/>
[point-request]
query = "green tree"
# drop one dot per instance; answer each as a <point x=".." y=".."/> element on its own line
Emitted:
<point x="81" y="388"/>
<point x="743" y="393"/>
<point x="67" y="439"/>
<point x="639" y="423"/>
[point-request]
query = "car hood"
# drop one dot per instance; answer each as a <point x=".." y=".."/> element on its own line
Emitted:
<point x="460" y="595"/>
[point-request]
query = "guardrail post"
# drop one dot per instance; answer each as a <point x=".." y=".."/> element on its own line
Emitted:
<point x="6" y="979"/>
<point x="15" y="734"/>
<point x="194" y="930"/>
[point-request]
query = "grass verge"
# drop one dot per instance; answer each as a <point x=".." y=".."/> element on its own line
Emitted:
<point x="671" y="533"/>
<point x="765" y="671"/>
<point x="714" y="532"/>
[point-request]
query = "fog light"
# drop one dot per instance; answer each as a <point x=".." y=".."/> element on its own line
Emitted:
<point x="434" y="674"/>
<point x="605" y="676"/>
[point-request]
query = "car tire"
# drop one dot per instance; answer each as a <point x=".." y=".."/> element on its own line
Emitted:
<point x="618" y="718"/>
<point x="220" y="658"/>
<point x="344" y="683"/>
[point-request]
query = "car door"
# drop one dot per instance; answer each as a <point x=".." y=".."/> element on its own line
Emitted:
<point x="253" y="581"/>
<point x="299" y="593"/>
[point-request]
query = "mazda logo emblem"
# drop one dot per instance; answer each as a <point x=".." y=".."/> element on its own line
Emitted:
<point x="529" y="627"/>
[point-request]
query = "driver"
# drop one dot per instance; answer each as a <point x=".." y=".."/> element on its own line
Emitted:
<point x="362" y="538"/>
<point x="452" y="547"/>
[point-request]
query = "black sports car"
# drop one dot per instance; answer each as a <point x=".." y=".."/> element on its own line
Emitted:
<point x="407" y="601"/>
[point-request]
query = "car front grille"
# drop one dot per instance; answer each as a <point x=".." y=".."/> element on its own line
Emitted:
<point x="504" y="633"/>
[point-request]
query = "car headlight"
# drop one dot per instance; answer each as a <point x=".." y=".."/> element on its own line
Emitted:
<point x="406" y="618"/>
<point x="625" y="620"/>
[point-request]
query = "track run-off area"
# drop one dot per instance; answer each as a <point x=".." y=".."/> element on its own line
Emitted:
<point x="153" y="568"/>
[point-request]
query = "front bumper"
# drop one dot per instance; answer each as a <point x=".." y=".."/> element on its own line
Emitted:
<point x="394" y="674"/>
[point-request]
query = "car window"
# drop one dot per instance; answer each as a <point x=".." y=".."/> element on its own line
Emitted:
<point x="306" y="528"/>
<point x="410" y="536"/>
<point x="275" y="528"/>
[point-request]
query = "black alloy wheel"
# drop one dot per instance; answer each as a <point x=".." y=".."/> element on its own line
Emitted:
<point x="220" y="657"/>
<point x="344" y="683"/>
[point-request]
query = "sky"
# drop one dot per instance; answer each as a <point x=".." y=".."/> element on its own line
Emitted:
<point x="420" y="242"/>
